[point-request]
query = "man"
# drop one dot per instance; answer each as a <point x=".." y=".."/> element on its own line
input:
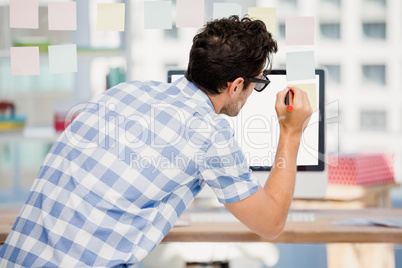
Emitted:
<point x="122" y="173"/>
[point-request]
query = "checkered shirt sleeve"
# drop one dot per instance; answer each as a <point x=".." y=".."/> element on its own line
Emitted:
<point x="224" y="167"/>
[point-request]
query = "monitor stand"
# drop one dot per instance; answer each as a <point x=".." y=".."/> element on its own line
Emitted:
<point x="309" y="184"/>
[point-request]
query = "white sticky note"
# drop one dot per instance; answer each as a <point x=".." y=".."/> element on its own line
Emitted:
<point x="300" y="65"/>
<point x="62" y="16"/>
<point x="311" y="91"/>
<point x="111" y="17"/>
<point x="299" y="31"/>
<point x="190" y="13"/>
<point x="158" y="15"/>
<point x="225" y="10"/>
<point x="63" y="59"/>
<point x="24" y="14"/>
<point x="267" y="15"/>
<point x="24" y="60"/>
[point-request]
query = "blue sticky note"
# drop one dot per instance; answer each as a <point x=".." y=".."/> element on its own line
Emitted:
<point x="158" y="14"/>
<point x="225" y="10"/>
<point x="300" y="65"/>
<point x="63" y="59"/>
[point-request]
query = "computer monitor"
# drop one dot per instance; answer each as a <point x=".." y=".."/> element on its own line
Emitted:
<point x="257" y="131"/>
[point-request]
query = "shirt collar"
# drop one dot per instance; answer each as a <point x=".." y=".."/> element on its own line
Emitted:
<point x="190" y="89"/>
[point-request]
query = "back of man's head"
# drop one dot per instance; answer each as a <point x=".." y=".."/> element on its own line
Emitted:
<point x="229" y="48"/>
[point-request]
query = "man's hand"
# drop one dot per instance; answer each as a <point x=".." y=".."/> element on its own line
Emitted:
<point x="294" y="122"/>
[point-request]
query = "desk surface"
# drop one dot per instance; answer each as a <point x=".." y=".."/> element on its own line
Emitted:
<point x="320" y="231"/>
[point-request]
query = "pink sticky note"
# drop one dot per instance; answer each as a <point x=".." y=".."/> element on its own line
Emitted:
<point x="25" y="60"/>
<point x="190" y="13"/>
<point x="62" y="16"/>
<point x="24" y="14"/>
<point x="299" y="31"/>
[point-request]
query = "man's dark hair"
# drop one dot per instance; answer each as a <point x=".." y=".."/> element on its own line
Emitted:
<point x="229" y="48"/>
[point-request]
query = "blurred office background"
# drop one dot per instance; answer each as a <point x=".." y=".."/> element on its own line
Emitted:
<point x="358" y="42"/>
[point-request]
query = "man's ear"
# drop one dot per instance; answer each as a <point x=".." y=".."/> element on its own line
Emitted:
<point x="235" y="87"/>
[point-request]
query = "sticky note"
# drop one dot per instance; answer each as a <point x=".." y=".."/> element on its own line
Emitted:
<point x="225" y="10"/>
<point x="299" y="30"/>
<point x="24" y="60"/>
<point x="111" y="17"/>
<point x="62" y="16"/>
<point x="300" y="65"/>
<point x="311" y="94"/>
<point x="267" y="15"/>
<point x="158" y="15"/>
<point x="24" y="14"/>
<point x="190" y="13"/>
<point x="63" y="59"/>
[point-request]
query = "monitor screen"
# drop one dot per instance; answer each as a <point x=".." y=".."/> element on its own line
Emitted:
<point x="256" y="127"/>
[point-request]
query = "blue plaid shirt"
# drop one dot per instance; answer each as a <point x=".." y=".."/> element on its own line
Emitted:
<point x="122" y="173"/>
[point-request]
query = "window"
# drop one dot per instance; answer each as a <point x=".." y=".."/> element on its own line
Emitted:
<point x="46" y="81"/>
<point x="282" y="66"/>
<point x="374" y="74"/>
<point x="374" y="30"/>
<point x="334" y="73"/>
<point x="373" y="120"/>
<point x="332" y="2"/>
<point x="378" y="2"/>
<point x="330" y="30"/>
<point x="291" y="2"/>
<point x="282" y="31"/>
<point x="171" y="33"/>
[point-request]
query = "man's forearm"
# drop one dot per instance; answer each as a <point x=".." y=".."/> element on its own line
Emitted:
<point x="265" y="211"/>
<point x="281" y="181"/>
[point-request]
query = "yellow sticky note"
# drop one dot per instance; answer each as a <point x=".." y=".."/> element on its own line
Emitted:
<point x="111" y="17"/>
<point x="311" y="91"/>
<point x="267" y="15"/>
